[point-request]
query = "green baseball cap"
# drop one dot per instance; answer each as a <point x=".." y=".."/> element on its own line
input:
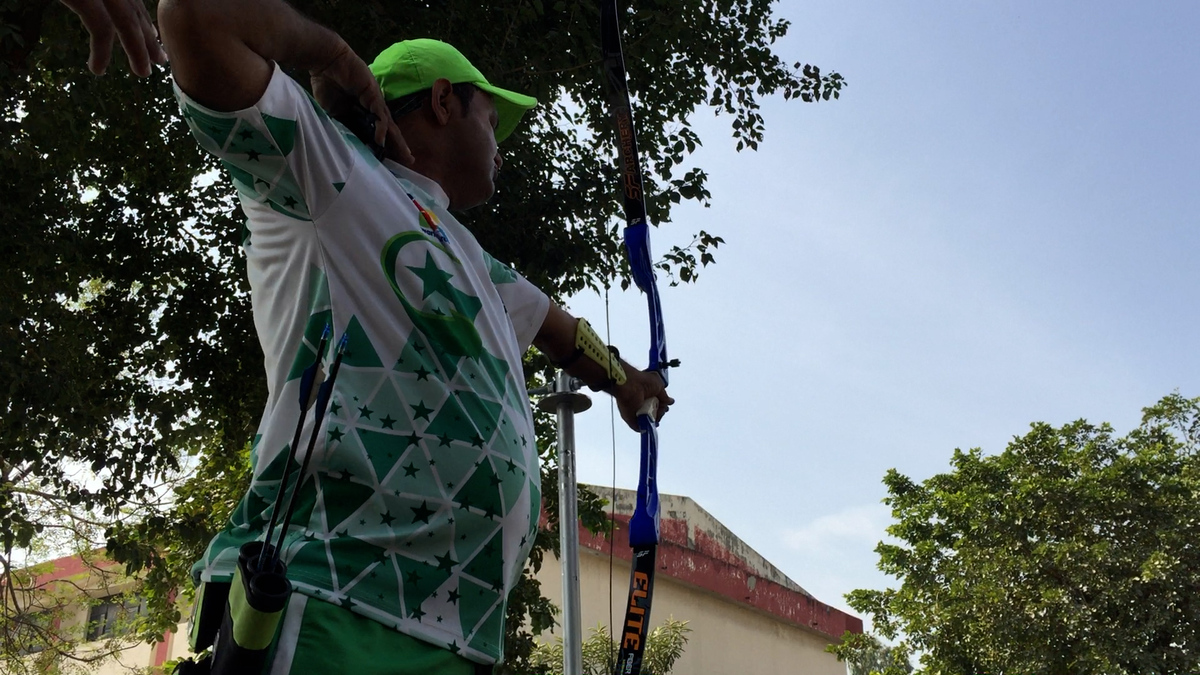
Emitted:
<point x="414" y="65"/>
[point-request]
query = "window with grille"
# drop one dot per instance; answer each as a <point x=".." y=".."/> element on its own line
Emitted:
<point x="111" y="616"/>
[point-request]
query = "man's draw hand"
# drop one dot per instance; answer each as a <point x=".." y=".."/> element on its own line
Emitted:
<point x="346" y="80"/>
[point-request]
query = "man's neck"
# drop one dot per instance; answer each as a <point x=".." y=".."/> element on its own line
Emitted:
<point x="422" y="180"/>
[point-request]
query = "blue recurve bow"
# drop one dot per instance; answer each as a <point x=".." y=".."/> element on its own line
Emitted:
<point x="643" y="525"/>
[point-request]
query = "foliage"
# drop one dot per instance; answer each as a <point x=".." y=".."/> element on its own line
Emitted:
<point x="664" y="646"/>
<point x="45" y="618"/>
<point x="1073" y="551"/>
<point x="127" y="350"/>
<point x="866" y="655"/>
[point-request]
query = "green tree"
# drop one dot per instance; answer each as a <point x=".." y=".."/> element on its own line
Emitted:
<point x="1073" y="551"/>
<point x="865" y="654"/>
<point x="664" y="646"/>
<point x="127" y="350"/>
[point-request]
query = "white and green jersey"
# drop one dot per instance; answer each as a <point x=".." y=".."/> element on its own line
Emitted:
<point x="423" y="495"/>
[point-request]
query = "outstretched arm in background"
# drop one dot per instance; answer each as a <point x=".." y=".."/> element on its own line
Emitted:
<point x="126" y="20"/>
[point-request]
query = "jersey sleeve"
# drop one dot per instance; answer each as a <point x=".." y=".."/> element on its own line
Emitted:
<point x="525" y="303"/>
<point x="284" y="151"/>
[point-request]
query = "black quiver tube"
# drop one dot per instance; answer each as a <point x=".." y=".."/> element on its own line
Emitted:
<point x="256" y="602"/>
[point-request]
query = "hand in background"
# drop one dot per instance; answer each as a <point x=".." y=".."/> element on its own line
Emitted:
<point x="129" y="21"/>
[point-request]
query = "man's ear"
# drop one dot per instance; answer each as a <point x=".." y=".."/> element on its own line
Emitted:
<point x="441" y="100"/>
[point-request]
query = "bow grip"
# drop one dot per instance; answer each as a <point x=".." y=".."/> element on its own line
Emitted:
<point x="649" y="409"/>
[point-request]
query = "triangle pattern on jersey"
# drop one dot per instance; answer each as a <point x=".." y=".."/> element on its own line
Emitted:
<point x="511" y="487"/>
<point x="340" y="499"/>
<point x="216" y="129"/>
<point x="306" y="352"/>
<point x="416" y="357"/>
<point x="508" y="444"/>
<point x="251" y="509"/>
<point x="475" y="604"/>
<point x="483" y="639"/>
<point x="360" y="353"/>
<point x="350" y="409"/>
<point x="480" y="492"/>
<point x="488" y="564"/>
<point x="272" y="473"/>
<point x="381" y="588"/>
<point x="389" y="414"/>
<point x="242" y="180"/>
<point x="340" y="567"/>
<point x="498" y="373"/>
<point x="484" y="414"/>
<point x="383" y="450"/>
<point x="470" y="529"/>
<point x="414" y="476"/>
<point x="363" y="523"/>
<point x="419" y="580"/>
<point x="311" y="564"/>
<point x="352" y="559"/>
<point x="479" y="376"/>
<point x="248" y="140"/>
<point x="282" y="131"/>
<point x="454" y="423"/>
<point x="453" y="464"/>
<point x="508" y="466"/>
<point x="345" y="456"/>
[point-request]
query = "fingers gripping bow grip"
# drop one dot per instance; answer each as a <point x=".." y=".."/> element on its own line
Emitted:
<point x="649" y="409"/>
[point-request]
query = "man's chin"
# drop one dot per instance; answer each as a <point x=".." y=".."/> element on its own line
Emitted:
<point x="487" y="194"/>
<point x="471" y="202"/>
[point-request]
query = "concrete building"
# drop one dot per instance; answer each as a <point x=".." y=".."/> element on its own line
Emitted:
<point x="88" y="604"/>
<point x="747" y="617"/>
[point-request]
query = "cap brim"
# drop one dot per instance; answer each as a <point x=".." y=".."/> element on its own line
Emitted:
<point x="510" y="107"/>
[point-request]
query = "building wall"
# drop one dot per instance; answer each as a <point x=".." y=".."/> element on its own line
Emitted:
<point x="138" y="657"/>
<point x="726" y="638"/>
<point x="134" y="659"/>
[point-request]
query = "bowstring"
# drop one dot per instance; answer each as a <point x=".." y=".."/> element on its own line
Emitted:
<point x="612" y="503"/>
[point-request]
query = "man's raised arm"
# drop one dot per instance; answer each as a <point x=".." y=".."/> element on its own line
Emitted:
<point x="221" y="50"/>
<point x="222" y="55"/>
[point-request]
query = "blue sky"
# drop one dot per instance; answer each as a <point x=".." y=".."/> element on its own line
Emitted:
<point x="995" y="225"/>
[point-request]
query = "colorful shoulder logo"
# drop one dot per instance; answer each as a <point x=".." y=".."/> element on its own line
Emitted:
<point x="429" y="222"/>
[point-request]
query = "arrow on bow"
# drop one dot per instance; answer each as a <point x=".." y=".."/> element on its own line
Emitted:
<point x="643" y="525"/>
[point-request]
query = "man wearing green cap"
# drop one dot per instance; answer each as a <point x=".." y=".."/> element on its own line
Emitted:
<point x="422" y="501"/>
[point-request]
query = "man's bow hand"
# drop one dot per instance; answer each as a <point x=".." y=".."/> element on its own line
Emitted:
<point x="640" y="386"/>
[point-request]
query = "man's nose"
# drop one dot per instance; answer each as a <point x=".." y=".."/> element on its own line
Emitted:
<point x="499" y="161"/>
